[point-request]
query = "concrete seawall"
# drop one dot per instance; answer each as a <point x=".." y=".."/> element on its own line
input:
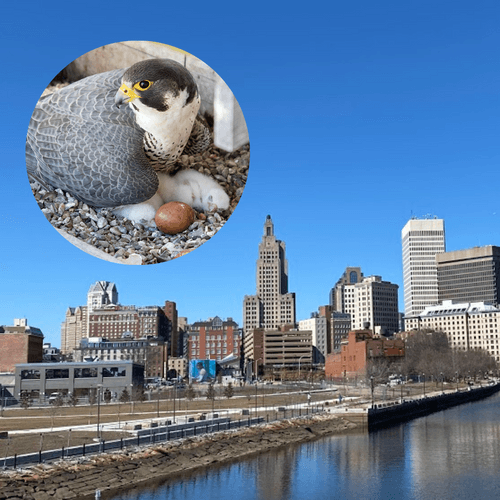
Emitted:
<point x="392" y="413"/>
<point x="395" y="411"/>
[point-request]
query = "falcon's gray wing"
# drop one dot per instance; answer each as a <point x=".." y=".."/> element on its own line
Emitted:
<point x="80" y="142"/>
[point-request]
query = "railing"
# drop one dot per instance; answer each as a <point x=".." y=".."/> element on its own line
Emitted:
<point x="163" y="433"/>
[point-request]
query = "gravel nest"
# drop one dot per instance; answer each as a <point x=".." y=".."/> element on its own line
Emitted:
<point x="133" y="243"/>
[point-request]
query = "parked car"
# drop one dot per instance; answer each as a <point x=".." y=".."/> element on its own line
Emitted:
<point x="54" y="397"/>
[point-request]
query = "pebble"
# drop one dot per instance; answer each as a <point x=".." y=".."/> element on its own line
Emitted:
<point x="134" y="243"/>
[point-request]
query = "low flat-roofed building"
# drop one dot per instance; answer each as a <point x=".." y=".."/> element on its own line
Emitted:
<point x="40" y="380"/>
<point x="359" y="348"/>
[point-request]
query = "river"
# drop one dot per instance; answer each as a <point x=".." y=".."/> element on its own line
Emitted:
<point x="453" y="454"/>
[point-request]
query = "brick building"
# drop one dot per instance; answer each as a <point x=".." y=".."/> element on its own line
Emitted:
<point x="104" y="317"/>
<point x="355" y="354"/>
<point x="113" y="321"/>
<point x="214" y="339"/>
<point x="19" y="343"/>
<point x="172" y="326"/>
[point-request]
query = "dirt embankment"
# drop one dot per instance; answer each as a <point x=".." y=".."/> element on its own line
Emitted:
<point x="111" y="473"/>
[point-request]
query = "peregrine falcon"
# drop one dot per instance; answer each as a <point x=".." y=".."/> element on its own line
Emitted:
<point x="82" y="140"/>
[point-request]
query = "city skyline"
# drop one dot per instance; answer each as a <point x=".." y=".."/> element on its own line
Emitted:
<point x="239" y="319"/>
<point x="357" y="121"/>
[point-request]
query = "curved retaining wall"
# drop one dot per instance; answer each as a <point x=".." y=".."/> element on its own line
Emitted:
<point x="387" y="413"/>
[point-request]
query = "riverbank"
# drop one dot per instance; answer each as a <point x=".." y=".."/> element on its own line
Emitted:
<point x="400" y="411"/>
<point x="114" y="472"/>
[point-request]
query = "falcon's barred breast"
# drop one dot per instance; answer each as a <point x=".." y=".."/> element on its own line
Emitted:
<point x="81" y="140"/>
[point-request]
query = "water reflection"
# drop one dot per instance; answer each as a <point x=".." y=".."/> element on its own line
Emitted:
<point x="448" y="455"/>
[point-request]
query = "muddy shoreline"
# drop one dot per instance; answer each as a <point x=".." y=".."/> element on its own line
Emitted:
<point x="115" y="472"/>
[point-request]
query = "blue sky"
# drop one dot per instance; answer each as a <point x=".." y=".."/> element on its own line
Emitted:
<point x="360" y="115"/>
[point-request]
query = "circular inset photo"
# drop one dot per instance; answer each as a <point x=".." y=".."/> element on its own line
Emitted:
<point x="137" y="152"/>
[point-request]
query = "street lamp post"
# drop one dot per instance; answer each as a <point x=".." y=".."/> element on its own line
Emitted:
<point x="305" y="355"/>
<point x="442" y="383"/>
<point x="423" y="375"/>
<point x="256" y="372"/>
<point x="158" y="402"/>
<point x="372" y="387"/>
<point x="175" y="396"/>
<point x="99" y="386"/>
<point x="456" y="378"/>
<point x="401" y="384"/>
<point x="213" y="402"/>
<point x="255" y="398"/>
<point x="132" y="398"/>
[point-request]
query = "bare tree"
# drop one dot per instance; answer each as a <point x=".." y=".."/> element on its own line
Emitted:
<point x="124" y="396"/>
<point x="92" y="397"/>
<point x="25" y="400"/>
<point x="429" y="352"/>
<point x="107" y="396"/>
<point x="73" y="399"/>
<point x="210" y="394"/>
<point x="190" y="394"/>
<point x="229" y="391"/>
<point x="379" y="369"/>
<point x="138" y="393"/>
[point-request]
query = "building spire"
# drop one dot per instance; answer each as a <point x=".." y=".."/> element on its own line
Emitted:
<point x="268" y="227"/>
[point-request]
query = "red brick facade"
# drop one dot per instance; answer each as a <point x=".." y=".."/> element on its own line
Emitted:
<point x="19" y="348"/>
<point x="214" y="343"/>
<point x="354" y="354"/>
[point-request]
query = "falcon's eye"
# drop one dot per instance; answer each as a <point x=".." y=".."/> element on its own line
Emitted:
<point x="143" y="85"/>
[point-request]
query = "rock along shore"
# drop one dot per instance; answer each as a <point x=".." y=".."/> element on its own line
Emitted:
<point x="113" y="472"/>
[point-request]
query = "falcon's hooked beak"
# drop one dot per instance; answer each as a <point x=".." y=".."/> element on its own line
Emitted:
<point x="125" y="95"/>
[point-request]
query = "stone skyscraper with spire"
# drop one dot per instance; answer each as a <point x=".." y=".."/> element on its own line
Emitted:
<point x="273" y="305"/>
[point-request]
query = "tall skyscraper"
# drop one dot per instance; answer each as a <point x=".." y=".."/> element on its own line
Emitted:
<point x="422" y="239"/>
<point x="272" y="306"/>
<point x="471" y="275"/>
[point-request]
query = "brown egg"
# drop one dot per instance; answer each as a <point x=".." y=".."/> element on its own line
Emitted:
<point x="174" y="217"/>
